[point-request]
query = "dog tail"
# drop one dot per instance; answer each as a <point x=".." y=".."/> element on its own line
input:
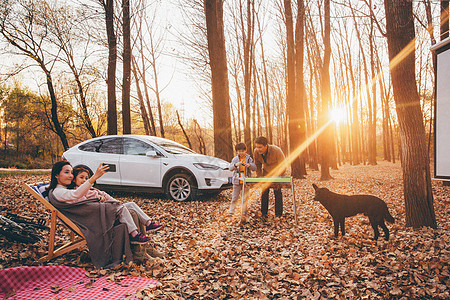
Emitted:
<point x="388" y="217"/>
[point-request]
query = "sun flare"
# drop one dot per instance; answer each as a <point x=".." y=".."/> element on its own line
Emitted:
<point x="337" y="114"/>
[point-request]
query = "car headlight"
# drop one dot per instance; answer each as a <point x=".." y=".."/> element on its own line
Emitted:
<point x="203" y="166"/>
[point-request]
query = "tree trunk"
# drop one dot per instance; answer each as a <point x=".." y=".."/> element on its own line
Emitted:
<point x="312" y="147"/>
<point x="126" y="114"/>
<point x="386" y="114"/>
<point x="300" y="85"/>
<point x="201" y="141"/>
<point x="184" y="131"/>
<point x="415" y="162"/>
<point x="373" y="115"/>
<point x="54" y="111"/>
<point x="240" y="113"/>
<point x="263" y="108"/>
<point x="219" y="82"/>
<point x="66" y="48"/>
<point x="248" y="64"/>
<point x="371" y="156"/>
<point x="257" y="118"/>
<point x="141" y="99"/>
<point x="266" y="104"/>
<point x="355" y="126"/>
<point x="141" y="16"/>
<point x="156" y="89"/>
<point x="290" y="89"/>
<point x="391" y="136"/>
<point x="5" y="143"/>
<point x="325" y="138"/>
<point x="253" y="103"/>
<point x="235" y="127"/>
<point x="237" y="119"/>
<point x="292" y="98"/>
<point x="444" y="20"/>
<point x="430" y="29"/>
<point x="112" y="61"/>
<point x="147" y="96"/>
<point x="86" y="118"/>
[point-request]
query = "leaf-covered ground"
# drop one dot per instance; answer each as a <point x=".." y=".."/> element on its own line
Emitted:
<point x="210" y="256"/>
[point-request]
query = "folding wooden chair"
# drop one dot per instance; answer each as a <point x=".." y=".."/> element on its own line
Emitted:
<point x="283" y="181"/>
<point x="39" y="192"/>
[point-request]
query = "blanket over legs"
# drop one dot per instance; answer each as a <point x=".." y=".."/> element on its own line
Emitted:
<point x="108" y="242"/>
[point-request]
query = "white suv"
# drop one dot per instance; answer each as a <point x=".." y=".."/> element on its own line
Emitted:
<point x="148" y="163"/>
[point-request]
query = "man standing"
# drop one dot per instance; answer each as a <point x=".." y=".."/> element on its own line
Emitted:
<point x="269" y="160"/>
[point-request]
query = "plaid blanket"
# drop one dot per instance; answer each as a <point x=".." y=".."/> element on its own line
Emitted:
<point x="60" y="282"/>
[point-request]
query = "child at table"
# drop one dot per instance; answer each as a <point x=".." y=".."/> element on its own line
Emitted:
<point x="242" y="165"/>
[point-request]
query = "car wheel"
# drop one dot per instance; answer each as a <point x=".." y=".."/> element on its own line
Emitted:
<point x="180" y="187"/>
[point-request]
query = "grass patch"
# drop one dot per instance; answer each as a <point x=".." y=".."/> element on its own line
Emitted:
<point x="23" y="173"/>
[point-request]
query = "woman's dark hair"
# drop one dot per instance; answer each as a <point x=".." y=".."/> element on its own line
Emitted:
<point x="240" y="146"/>
<point x="77" y="170"/>
<point x="262" y="140"/>
<point x="56" y="169"/>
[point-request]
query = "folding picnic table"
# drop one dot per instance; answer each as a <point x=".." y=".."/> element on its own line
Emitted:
<point x="273" y="180"/>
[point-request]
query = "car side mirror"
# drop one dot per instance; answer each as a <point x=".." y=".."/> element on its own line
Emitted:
<point x="151" y="153"/>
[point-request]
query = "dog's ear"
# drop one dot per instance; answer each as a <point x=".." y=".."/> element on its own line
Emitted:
<point x="315" y="187"/>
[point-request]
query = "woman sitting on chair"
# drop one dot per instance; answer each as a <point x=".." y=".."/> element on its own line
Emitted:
<point x="105" y="225"/>
<point x="81" y="174"/>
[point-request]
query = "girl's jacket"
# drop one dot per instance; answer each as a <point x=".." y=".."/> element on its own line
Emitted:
<point x="232" y="167"/>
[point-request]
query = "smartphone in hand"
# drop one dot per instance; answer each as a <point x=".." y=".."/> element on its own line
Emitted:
<point x="112" y="168"/>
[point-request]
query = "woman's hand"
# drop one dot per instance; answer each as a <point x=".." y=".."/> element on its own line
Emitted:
<point x="101" y="170"/>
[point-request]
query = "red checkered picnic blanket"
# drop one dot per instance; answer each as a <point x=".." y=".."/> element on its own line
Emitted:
<point x="60" y="282"/>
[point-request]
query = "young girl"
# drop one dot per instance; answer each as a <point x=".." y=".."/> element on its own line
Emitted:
<point x="81" y="174"/>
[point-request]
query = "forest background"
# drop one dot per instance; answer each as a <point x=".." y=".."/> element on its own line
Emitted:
<point x="330" y="82"/>
<point x="68" y="41"/>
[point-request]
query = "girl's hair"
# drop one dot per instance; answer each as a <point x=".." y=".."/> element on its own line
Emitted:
<point x="76" y="171"/>
<point x="56" y="169"/>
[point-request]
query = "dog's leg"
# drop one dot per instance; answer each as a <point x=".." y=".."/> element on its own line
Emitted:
<point x="385" y="229"/>
<point x="342" y="222"/>
<point x="374" y="224"/>
<point x="336" y="227"/>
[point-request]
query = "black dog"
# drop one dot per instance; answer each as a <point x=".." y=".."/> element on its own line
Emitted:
<point x="341" y="206"/>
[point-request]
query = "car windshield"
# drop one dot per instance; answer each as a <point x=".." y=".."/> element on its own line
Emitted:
<point x="173" y="148"/>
